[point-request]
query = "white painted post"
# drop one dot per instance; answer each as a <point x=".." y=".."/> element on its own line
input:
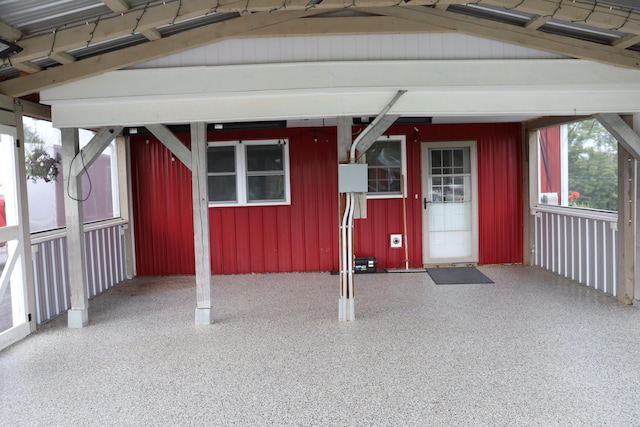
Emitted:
<point x="78" y="315"/>
<point x="204" y="311"/>
<point x="636" y="178"/>
<point x="23" y="213"/>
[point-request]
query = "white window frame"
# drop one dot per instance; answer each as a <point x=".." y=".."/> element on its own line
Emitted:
<point x="241" y="172"/>
<point x="403" y="167"/>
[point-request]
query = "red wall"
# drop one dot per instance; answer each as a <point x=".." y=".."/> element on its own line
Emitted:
<point x="304" y="235"/>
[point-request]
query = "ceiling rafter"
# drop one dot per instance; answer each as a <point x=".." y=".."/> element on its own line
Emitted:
<point x="537" y="22"/>
<point x="626" y="41"/>
<point x="117" y="5"/>
<point x="8" y="32"/>
<point x="517" y="35"/>
<point x="122" y="58"/>
<point x="346" y="25"/>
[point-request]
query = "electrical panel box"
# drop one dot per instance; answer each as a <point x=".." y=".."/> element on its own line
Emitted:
<point x="352" y="178"/>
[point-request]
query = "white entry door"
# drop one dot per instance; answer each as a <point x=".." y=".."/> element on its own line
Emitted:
<point x="449" y="202"/>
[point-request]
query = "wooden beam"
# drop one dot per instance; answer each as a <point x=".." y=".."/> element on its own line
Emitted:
<point x="33" y="109"/>
<point x="151" y="34"/>
<point x="321" y="26"/>
<point x="117" y="5"/>
<point x="78" y="315"/>
<point x="90" y="153"/>
<point x="27" y="67"/>
<point x="546" y="122"/>
<point x="345" y="138"/>
<point x="377" y="127"/>
<point x="8" y="32"/>
<point x="135" y="54"/>
<point x="374" y="131"/>
<point x="626" y="41"/>
<point x="204" y="310"/>
<point x="537" y="22"/>
<point x="173" y="144"/>
<point x="62" y="58"/>
<point x="621" y="131"/>
<point x="516" y="35"/>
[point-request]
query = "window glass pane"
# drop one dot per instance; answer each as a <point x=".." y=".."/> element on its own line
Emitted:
<point x="385" y="166"/>
<point x="45" y="178"/>
<point x="221" y="159"/>
<point x="436" y="160"/>
<point x="222" y="188"/>
<point x="100" y="184"/>
<point x="45" y="182"/>
<point x="260" y="188"/>
<point x="578" y="166"/>
<point x="264" y="158"/>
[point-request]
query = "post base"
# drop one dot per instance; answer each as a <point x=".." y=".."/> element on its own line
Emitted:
<point x="346" y="310"/>
<point x="204" y="316"/>
<point x="77" y="317"/>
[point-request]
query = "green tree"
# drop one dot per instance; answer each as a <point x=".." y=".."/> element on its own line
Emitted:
<point x="593" y="166"/>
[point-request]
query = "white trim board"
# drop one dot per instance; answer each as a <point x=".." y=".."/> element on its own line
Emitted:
<point x="440" y="88"/>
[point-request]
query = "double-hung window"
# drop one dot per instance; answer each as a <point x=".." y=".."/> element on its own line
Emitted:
<point x="386" y="160"/>
<point x="248" y="173"/>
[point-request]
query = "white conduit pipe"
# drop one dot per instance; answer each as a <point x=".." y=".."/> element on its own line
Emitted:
<point x="350" y="297"/>
<point x="344" y="263"/>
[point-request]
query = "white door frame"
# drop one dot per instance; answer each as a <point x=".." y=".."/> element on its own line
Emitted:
<point x="16" y="266"/>
<point x="424" y="165"/>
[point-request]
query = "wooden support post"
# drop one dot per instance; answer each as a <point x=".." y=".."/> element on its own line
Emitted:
<point x="627" y="226"/>
<point x="78" y="315"/>
<point x="23" y="214"/>
<point x="530" y="196"/>
<point x="635" y="123"/>
<point x="204" y="311"/>
<point x="126" y="209"/>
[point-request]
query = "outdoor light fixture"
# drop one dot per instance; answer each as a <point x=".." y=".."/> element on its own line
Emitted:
<point x="313" y="3"/>
<point x="8" y="49"/>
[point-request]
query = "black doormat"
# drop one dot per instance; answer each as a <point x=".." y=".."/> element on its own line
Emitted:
<point x="457" y="276"/>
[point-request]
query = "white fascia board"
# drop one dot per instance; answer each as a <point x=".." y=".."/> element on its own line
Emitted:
<point x="328" y="89"/>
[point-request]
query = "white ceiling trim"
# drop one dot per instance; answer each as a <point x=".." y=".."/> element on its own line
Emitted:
<point x="327" y="89"/>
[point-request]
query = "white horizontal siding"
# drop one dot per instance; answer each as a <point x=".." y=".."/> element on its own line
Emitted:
<point x="347" y="48"/>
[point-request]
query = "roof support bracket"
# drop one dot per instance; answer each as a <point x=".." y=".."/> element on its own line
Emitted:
<point x="169" y="140"/>
<point x="625" y="135"/>
<point x="376" y="128"/>
<point x="94" y="149"/>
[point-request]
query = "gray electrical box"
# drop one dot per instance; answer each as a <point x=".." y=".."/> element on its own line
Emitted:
<point x="352" y="178"/>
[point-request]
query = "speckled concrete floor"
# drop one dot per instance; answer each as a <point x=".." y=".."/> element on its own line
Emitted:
<point x="531" y="349"/>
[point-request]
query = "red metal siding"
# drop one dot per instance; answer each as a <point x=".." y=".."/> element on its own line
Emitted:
<point x="163" y="219"/>
<point x="304" y="235"/>
<point x="550" y="162"/>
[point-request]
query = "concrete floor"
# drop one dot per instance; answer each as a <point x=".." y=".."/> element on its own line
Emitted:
<point x="531" y="349"/>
